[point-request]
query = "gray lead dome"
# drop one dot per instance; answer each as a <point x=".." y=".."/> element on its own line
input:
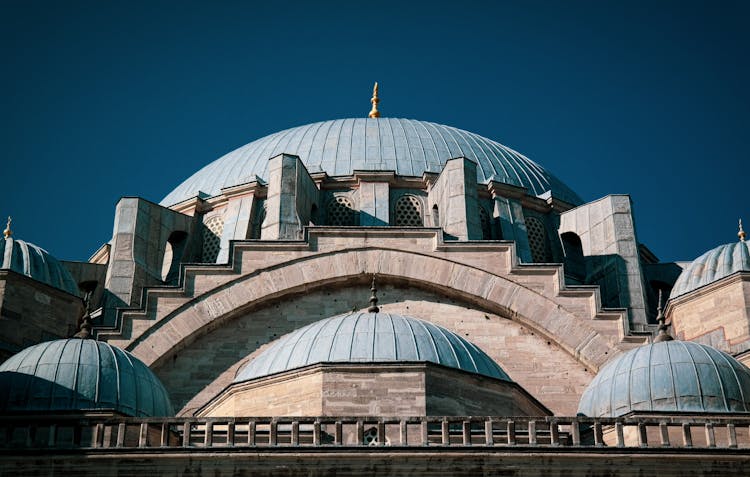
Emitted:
<point x="670" y="376"/>
<point x="370" y="337"/>
<point x="341" y="146"/>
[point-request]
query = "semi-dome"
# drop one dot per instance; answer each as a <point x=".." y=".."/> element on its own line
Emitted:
<point x="341" y="146"/>
<point x="35" y="262"/>
<point x="80" y="375"/>
<point x="370" y="337"/>
<point x="669" y="376"/>
<point x="713" y="265"/>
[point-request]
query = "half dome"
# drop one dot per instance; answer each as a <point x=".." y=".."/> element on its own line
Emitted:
<point x="35" y="262"/>
<point x="339" y="147"/>
<point x="80" y="375"/>
<point x="712" y="266"/>
<point x="370" y="337"/>
<point x="669" y="376"/>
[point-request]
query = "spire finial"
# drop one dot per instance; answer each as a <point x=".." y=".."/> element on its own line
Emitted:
<point x="374" y="113"/>
<point x="741" y="233"/>
<point x="7" y="232"/>
<point x="84" y="331"/>
<point x="663" y="327"/>
<point x="374" y="298"/>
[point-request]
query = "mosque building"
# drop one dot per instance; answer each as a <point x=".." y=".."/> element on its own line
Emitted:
<point x="374" y="295"/>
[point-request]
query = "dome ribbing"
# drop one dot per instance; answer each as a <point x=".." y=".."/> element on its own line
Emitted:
<point x="713" y="265"/>
<point x="370" y="337"/>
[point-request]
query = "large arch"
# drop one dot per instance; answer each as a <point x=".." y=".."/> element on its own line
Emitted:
<point x="498" y="294"/>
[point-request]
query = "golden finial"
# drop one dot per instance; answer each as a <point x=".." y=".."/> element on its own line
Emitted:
<point x="7" y="232"/>
<point x="741" y="233"/>
<point x="374" y="113"/>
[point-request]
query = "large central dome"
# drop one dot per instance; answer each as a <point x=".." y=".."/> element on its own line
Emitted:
<point x="341" y="146"/>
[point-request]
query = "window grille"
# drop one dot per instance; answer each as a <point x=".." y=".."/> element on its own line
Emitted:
<point x="341" y="212"/>
<point x="538" y="241"/>
<point x="212" y="230"/>
<point x="408" y="212"/>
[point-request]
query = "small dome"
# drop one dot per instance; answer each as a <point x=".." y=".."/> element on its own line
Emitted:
<point x="341" y="146"/>
<point x="670" y="376"/>
<point x="712" y="266"/>
<point x="370" y="337"/>
<point x="35" y="262"/>
<point x="80" y="375"/>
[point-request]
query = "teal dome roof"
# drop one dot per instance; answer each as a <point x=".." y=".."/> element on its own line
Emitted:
<point x="341" y="146"/>
<point x="370" y="337"/>
<point x="80" y="375"/>
<point x="713" y="265"/>
<point x="670" y="376"/>
<point x="28" y="259"/>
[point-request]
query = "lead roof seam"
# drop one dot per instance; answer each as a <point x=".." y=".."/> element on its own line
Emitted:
<point x="434" y="144"/>
<point x="413" y="338"/>
<point x="313" y="341"/>
<point x="432" y="340"/>
<point x="737" y="379"/>
<point x="476" y="155"/>
<point x="36" y="368"/>
<point x="354" y="332"/>
<point x="440" y="135"/>
<point x="395" y="337"/>
<point x="336" y="332"/>
<point x="74" y="396"/>
<point x="25" y="257"/>
<point x="408" y="151"/>
<point x="117" y="376"/>
<point x="393" y="137"/>
<point x="697" y="376"/>
<point x="136" y="409"/>
<point x="98" y="372"/>
<point x="312" y="141"/>
<point x="372" y="345"/>
<point x="718" y="378"/>
<point x="671" y="376"/>
<point x="453" y="349"/>
<point x="412" y="158"/>
<point x="324" y="137"/>
<point x="499" y="159"/>
<point x="333" y="161"/>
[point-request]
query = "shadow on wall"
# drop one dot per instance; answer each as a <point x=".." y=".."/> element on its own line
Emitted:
<point x="611" y="274"/>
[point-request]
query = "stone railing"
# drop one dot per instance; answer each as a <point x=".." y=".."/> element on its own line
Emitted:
<point x="560" y="433"/>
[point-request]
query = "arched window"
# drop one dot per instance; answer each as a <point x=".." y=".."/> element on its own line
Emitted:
<point x="538" y="240"/>
<point x="408" y="212"/>
<point x="170" y="267"/>
<point x="212" y="230"/>
<point x="575" y="266"/>
<point x="486" y="223"/>
<point x="341" y="212"/>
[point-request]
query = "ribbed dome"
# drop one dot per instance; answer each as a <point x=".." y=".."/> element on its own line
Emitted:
<point x="339" y="147"/>
<point x="80" y="374"/>
<point x="35" y="262"/>
<point x="670" y="376"/>
<point x="370" y="337"/>
<point x="712" y="266"/>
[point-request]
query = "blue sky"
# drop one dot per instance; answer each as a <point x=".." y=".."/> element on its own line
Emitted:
<point x="108" y="99"/>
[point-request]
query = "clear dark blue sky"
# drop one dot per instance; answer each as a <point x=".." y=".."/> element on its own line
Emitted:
<point x="106" y="99"/>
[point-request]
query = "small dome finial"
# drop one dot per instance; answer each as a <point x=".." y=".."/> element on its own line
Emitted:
<point x="374" y="298"/>
<point x="8" y="232"/>
<point x="741" y="233"/>
<point x="374" y="113"/>
<point x="663" y="327"/>
<point x="84" y="331"/>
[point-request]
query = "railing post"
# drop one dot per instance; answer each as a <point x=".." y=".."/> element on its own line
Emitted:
<point x="187" y="429"/>
<point x="576" y="433"/>
<point x="402" y="433"/>
<point x="295" y="433"/>
<point x="642" y="435"/>
<point x="710" y="436"/>
<point x="208" y="435"/>
<point x="687" y="436"/>
<point x="489" y="439"/>
<point x="143" y="435"/>
<point x="273" y="432"/>
<point x="52" y="437"/>
<point x="381" y="433"/>
<point x="425" y="432"/>
<point x="164" y="438"/>
<point x="620" y="434"/>
<point x="360" y="432"/>
<point x="339" y="438"/>
<point x="466" y="432"/>
<point x="511" y="433"/>
<point x="120" y="434"/>
<point x="445" y="432"/>
<point x="532" y="432"/>
<point x="554" y="433"/>
<point x="30" y="435"/>
<point x="598" y="434"/>
<point x="732" y="432"/>
<point x="230" y="433"/>
<point x="664" y="431"/>
<point x="251" y="433"/>
<point x="99" y="435"/>
<point x="316" y="433"/>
